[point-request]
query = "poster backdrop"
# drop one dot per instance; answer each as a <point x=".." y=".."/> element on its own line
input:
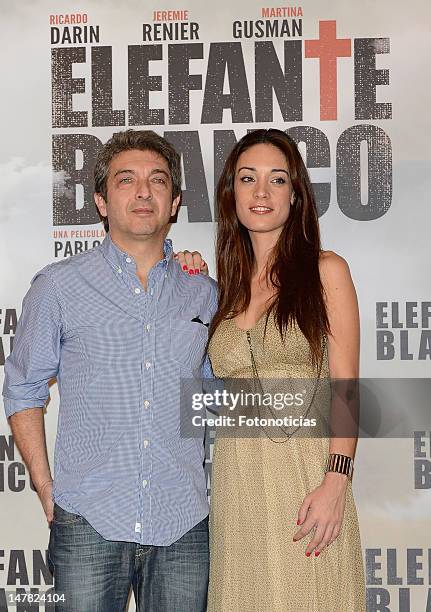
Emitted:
<point x="349" y="81"/>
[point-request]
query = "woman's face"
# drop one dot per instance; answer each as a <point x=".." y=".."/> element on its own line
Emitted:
<point x="263" y="190"/>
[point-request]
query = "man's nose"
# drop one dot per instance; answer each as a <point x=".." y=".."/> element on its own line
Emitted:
<point x="143" y="189"/>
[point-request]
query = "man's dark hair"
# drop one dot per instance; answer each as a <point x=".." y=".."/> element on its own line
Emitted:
<point x="143" y="140"/>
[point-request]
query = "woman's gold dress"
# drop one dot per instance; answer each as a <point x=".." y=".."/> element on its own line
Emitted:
<point x="257" y="488"/>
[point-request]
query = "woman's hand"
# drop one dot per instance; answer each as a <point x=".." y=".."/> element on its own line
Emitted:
<point x="191" y="262"/>
<point x="323" y="509"/>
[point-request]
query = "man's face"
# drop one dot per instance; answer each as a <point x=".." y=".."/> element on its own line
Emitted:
<point x="139" y="195"/>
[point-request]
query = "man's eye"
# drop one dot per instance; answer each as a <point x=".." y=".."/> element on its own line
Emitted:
<point x="126" y="179"/>
<point x="159" y="179"/>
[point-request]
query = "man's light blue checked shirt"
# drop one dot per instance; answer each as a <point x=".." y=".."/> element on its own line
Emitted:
<point x="118" y="352"/>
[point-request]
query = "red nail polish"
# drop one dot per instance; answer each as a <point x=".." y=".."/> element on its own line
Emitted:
<point x="184" y="267"/>
<point x="196" y="271"/>
<point x="191" y="271"/>
<point x="307" y="554"/>
<point x="298" y="522"/>
<point x="317" y="553"/>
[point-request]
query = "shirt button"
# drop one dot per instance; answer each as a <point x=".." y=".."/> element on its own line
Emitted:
<point x="151" y="291"/>
<point x="148" y="327"/>
<point x="137" y="290"/>
<point x="146" y="443"/>
<point x="144" y="483"/>
<point x="146" y="403"/>
<point x="119" y="270"/>
<point x="148" y="364"/>
<point x="128" y="260"/>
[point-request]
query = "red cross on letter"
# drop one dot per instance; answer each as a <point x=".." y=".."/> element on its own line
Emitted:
<point x="327" y="49"/>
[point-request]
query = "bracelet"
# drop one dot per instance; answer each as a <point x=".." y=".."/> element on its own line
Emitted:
<point x="341" y="464"/>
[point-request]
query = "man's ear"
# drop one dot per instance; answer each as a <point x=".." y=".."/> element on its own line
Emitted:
<point x="175" y="204"/>
<point x="101" y="204"/>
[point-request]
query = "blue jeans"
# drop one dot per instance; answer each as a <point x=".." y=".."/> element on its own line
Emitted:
<point x="95" y="575"/>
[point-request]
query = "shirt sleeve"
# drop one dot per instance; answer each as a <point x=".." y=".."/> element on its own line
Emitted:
<point x="207" y="371"/>
<point x="35" y="355"/>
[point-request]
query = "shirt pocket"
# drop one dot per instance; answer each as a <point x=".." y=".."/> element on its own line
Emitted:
<point x="188" y="343"/>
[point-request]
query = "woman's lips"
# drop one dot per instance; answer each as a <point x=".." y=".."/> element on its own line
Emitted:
<point x="260" y="210"/>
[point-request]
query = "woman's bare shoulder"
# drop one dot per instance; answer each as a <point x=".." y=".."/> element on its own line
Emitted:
<point x="333" y="268"/>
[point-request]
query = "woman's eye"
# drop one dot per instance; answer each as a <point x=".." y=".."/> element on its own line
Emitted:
<point x="246" y="179"/>
<point x="279" y="180"/>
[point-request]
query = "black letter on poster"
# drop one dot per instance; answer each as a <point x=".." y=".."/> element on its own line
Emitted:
<point x="378" y="600"/>
<point x="422" y="474"/>
<point x="425" y="345"/>
<point x="181" y="82"/>
<point x="10" y="321"/>
<point x="101" y="88"/>
<point x="64" y="86"/>
<point x="195" y="195"/>
<point x="41" y="573"/>
<point x="392" y="567"/>
<point x="367" y="77"/>
<point x="385" y="345"/>
<point x="317" y="156"/>
<point x="67" y="176"/>
<point x="224" y="142"/>
<point x="379" y="172"/>
<point x="222" y="56"/>
<point x="7" y="449"/>
<point x="15" y="469"/>
<point x="287" y="85"/>
<point x="17" y="568"/>
<point x="140" y="85"/>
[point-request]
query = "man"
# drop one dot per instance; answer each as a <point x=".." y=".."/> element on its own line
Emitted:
<point x="119" y="326"/>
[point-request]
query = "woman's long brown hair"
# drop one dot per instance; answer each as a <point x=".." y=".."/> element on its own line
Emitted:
<point x="294" y="264"/>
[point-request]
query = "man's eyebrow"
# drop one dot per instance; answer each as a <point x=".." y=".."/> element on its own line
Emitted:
<point x="155" y="171"/>
<point x="124" y="171"/>
<point x="160" y="171"/>
<point x="272" y="170"/>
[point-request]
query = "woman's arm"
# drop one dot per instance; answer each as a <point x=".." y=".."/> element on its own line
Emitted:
<point x="323" y="508"/>
<point x="343" y="340"/>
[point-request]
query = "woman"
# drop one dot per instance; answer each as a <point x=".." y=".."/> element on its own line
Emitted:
<point x="283" y="526"/>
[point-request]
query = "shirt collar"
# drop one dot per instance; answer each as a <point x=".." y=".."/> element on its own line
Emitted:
<point x="119" y="258"/>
